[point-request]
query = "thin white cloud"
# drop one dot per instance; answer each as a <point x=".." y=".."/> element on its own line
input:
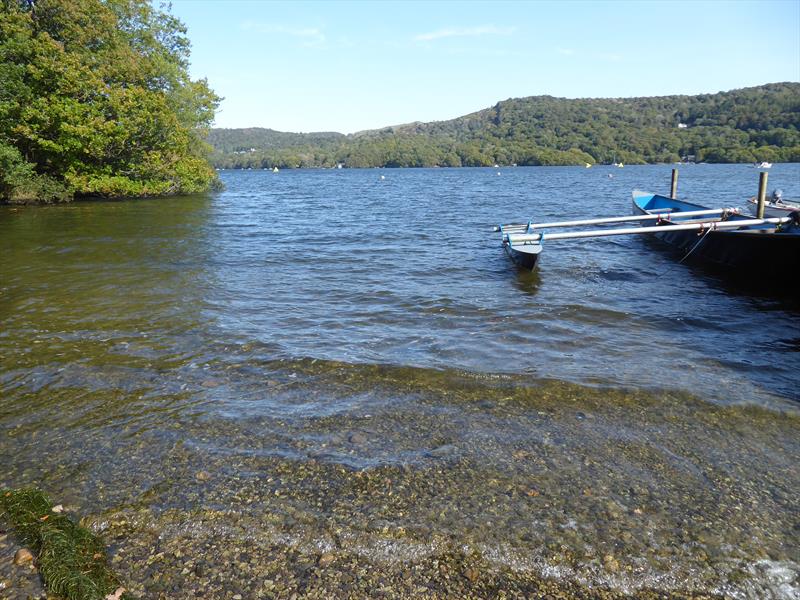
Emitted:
<point x="610" y="56"/>
<point x="464" y="32"/>
<point x="311" y="36"/>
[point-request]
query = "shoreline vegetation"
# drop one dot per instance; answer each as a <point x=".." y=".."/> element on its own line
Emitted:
<point x="96" y="100"/>
<point x="748" y="125"/>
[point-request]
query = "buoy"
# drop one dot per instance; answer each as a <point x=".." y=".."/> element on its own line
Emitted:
<point x="382" y="177"/>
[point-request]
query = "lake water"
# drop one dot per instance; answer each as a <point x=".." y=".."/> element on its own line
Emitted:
<point x="275" y="353"/>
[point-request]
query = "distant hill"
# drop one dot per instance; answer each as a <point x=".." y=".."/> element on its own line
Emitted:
<point x="243" y="140"/>
<point x="747" y="125"/>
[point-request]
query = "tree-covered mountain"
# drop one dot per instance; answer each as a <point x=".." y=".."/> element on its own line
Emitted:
<point x="747" y="125"/>
<point x="243" y="140"/>
<point x="96" y="99"/>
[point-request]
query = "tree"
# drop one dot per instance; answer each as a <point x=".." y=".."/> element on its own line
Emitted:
<point x="95" y="99"/>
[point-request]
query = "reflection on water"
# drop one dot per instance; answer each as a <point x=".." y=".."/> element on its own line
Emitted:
<point x="305" y="337"/>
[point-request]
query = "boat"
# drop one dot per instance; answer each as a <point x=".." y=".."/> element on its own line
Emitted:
<point x="524" y="254"/>
<point x="764" y="250"/>
<point x="775" y="206"/>
<point x="763" y="165"/>
<point x="761" y="250"/>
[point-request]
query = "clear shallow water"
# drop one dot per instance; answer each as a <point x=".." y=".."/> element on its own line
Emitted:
<point x="336" y="319"/>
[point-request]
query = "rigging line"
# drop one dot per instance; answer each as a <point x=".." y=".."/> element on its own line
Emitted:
<point x="675" y="265"/>
<point x="700" y="241"/>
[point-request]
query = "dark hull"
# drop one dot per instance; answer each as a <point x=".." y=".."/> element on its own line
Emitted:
<point x="526" y="257"/>
<point x="754" y="255"/>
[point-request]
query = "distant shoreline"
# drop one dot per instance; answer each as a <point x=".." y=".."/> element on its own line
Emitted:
<point x="749" y="125"/>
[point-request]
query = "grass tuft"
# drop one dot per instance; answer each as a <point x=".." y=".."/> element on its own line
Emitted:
<point x="71" y="560"/>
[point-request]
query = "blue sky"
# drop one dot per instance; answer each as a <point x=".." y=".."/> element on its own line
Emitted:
<point x="349" y="66"/>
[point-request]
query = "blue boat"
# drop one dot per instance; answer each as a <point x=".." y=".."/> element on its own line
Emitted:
<point x="763" y="252"/>
<point x="766" y="252"/>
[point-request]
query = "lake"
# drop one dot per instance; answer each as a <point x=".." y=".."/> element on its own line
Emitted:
<point x="343" y="365"/>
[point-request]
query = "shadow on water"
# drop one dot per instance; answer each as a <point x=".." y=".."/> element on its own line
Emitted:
<point x="779" y="294"/>
<point x="789" y="344"/>
<point x="525" y="280"/>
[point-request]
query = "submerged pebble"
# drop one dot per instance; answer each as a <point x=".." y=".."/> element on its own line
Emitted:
<point x="23" y="556"/>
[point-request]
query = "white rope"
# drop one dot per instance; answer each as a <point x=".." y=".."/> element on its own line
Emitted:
<point x="695" y="246"/>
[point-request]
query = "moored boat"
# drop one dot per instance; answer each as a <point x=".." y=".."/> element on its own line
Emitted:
<point x="761" y="252"/>
<point x="776" y="206"/>
<point x="765" y="251"/>
<point x="525" y="254"/>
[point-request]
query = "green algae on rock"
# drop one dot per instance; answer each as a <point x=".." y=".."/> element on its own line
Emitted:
<point x="71" y="560"/>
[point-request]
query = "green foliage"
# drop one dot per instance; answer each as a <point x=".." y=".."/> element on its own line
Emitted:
<point x="71" y="560"/>
<point x="747" y="125"/>
<point x="19" y="183"/>
<point x="95" y="99"/>
<point x="239" y="140"/>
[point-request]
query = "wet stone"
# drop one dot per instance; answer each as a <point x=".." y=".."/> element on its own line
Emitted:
<point x="23" y="557"/>
<point x="442" y="451"/>
<point x="611" y="564"/>
<point x="357" y="438"/>
<point x="326" y="559"/>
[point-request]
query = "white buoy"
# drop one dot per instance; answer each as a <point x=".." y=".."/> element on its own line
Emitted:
<point x="382" y="177"/>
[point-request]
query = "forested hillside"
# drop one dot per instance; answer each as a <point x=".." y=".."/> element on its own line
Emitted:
<point x="243" y="140"/>
<point x="747" y="125"/>
<point x="95" y="99"/>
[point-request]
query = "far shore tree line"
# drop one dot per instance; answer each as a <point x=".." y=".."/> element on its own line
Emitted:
<point x="742" y="126"/>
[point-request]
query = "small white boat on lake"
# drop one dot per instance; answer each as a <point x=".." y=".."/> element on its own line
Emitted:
<point x="763" y="165"/>
<point x="775" y="206"/>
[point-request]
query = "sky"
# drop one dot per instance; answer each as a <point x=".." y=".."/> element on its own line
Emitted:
<point x="351" y="66"/>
